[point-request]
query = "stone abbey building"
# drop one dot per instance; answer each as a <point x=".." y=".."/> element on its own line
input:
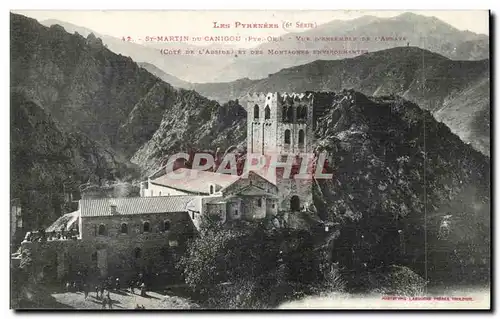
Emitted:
<point x="121" y="236"/>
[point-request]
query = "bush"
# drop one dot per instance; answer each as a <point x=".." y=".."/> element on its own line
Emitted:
<point x="396" y="281"/>
<point x="226" y="255"/>
<point x="245" y="266"/>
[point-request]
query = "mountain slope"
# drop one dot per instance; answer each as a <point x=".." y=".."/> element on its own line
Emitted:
<point x="184" y="129"/>
<point x="45" y="161"/>
<point x="455" y="91"/>
<point x="404" y="189"/>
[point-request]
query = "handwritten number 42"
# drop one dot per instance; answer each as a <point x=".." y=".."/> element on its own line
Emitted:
<point x="126" y="39"/>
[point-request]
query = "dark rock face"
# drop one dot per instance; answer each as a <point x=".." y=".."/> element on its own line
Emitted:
<point x="46" y="162"/>
<point x="399" y="176"/>
<point x="185" y="128"/>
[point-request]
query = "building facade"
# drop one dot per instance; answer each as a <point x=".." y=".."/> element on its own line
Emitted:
<point x="117" y="237"/>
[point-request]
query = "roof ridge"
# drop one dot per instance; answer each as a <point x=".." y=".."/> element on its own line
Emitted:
<point x="135" y="197"/>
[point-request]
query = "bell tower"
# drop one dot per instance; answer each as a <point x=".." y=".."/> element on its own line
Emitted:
<point x="279" y="123"/>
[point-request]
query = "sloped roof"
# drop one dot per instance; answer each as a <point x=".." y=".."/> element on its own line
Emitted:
<point x="134" y="205"/>
<point x="194" y="181"/>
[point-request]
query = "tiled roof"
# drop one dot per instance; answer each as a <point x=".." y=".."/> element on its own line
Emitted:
<point x="195" y="181"/>
<point x="134" y="205"/>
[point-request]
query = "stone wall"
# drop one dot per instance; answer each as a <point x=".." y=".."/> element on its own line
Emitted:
<point x="294" y="187"/>
<point x="61" y="260"/>
<point x="180" y="223"/>
<point x="114" y="253"/>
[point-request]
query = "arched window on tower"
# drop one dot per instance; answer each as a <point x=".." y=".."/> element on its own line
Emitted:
<point x="289" y="115"/>
<point x="256" y="111"/>
<point x="301" y="113"/>
<point x="301" y="137"/>
<point x="287" y="136"/>
<point x="267" y="114"/>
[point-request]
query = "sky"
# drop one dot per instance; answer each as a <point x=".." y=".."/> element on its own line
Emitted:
<point x="139" y="24"/>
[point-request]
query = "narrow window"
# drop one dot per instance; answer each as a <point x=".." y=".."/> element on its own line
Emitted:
<point x="256" y="111"/>
<point x="146" y="227"/>
<point x="301" y="137"/>
<point x="137" y="253"/>
<point x="159" y="194"/>
<point x="259" y="202"/>
<point x="295" y="203"/>
<point x="301" y="113"/>
<point x="211" y="189"/>
<point x="284" y="114"/>
<point x="287" y="136"/>
<point x="124" y="228"/>
<point x="289" y="115"/>
<point x="102" y="230"/>
<point x="166" y="225"/>
<point x="267" y="114"/>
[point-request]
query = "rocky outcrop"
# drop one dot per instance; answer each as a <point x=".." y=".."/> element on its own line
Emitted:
<point x="398" y="175"/>
<point x="46" y="162"/>
<point x="185" y="129"/>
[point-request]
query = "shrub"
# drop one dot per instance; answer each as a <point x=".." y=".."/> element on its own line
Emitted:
<point x="396" y="281"/>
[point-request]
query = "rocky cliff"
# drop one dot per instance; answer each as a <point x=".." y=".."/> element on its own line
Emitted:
<point x="405" y="189"/>
<point x="47" y="162"/>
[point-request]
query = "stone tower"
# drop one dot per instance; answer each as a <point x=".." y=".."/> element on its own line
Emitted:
<point x="279" y="123"/>
<point x="283" y="124"/>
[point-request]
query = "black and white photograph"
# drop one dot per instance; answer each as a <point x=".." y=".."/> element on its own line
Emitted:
<point x="250" y="160"/>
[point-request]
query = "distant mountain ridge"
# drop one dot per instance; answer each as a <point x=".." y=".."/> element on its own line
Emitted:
<point x="174" y="81"/>
<point x="420" y="31"/>
<point x="425" y="32"/>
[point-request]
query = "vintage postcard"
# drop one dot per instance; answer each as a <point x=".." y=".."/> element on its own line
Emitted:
<point x="250" y="160"/>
